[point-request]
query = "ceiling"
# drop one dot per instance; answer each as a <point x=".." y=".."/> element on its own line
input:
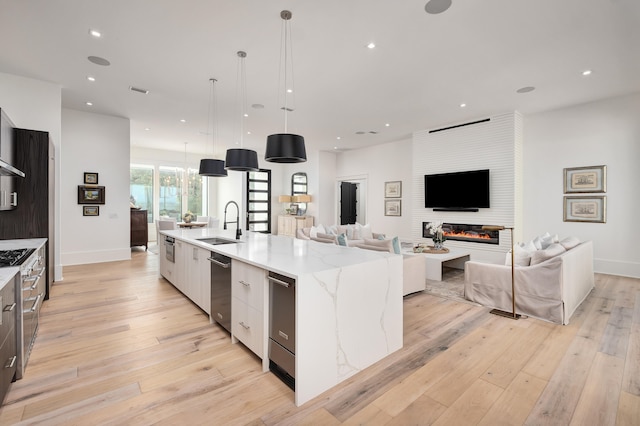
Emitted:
<point x="424" y="66"/>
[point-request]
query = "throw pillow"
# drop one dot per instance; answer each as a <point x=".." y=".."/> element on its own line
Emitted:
<point x="342" y="239"/>
<point x="569" y="242"/>
<point x="540" y="256"/>
<point x="314" y="232"/>
<point x="382" y="236"/>
<point x="333" y="230"/>
<point x="521" y="256"/>
<point x="365" y="232"/>
<point x="321" y="229"/>
<point x="396" y="245"/>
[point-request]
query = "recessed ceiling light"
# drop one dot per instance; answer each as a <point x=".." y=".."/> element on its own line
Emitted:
<point x="248" y="133"/>
<point x="387" y="125"/>
<point x="89" y="103"/>
<point x="463" y="105"/>
<point x="435" y="7"/>
<point x="99" y="61"/>
<point x="95" y="33"/>
<point x="245" y="114"/>
<point x="338" y="137"/>
<point x="335" y="147"/>
<point x="183" y="120"/>
<point x="90" y="78"/>
<point x="586" y="72"/>
<point x="289" y="90"/>
<point x="526" y="89"/>
<point x="371" y="45"/>
<point x="147" y="129"/>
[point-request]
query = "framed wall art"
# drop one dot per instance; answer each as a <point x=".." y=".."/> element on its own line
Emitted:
<point x="90" y="194"/>
<point x="393" y="189"/>
<point x="585" y="179"/>
<point x="585" y="209"/>
<point x="392" y="207"/>
<point x="90" y="178"/>
<point x="90" y="211"/>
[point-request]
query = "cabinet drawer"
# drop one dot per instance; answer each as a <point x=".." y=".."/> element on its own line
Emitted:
<point x="8" y="309"/>
<point x="248" y="283"/>
<point x="247" y="325"/>
<point x="8" y="363"/>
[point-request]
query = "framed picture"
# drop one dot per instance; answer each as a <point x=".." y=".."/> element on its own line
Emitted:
<point x="585" y="209"/>
<point x="90" y="211"/>
<point x="90" y="178"/>
<point x="293" y="209"/>
<point x="393" y="189"/>
<point x="393" y="207"/>
<point x="585" y="179"/>
<point x="90" y="194"/>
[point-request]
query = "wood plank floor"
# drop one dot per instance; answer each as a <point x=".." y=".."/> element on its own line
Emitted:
<point x="119" y="345"/>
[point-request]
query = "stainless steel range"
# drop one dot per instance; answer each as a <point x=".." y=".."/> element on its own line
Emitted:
<point x="33" y="284"/>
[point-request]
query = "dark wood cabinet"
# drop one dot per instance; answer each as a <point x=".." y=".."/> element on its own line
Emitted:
<point x="139" y="228"/>
<point x="8" y="343"/>
<point x="33" y="217"/>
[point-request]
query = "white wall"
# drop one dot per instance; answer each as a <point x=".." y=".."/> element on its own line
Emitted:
<point x="36" y="105"/>
<point x="95" y="143"/>
<point x="379" y="164"/>
<point x="607" y="133"/>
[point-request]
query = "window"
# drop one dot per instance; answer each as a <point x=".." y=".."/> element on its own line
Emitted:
<point x="141" y="189"/>
<point x="196" y="193"/>
<point x="170" y="202"/>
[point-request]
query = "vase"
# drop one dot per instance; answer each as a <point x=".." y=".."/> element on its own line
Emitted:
<point x="438" y="245"/>
<point x="187" y="219"/>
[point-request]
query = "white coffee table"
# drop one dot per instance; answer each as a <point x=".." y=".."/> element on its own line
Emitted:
<point x="434" y="262"/>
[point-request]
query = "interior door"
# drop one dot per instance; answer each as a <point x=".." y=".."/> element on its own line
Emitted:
<point x="348" y="203"/>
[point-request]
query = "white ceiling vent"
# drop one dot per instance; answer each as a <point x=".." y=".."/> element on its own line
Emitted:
<point x="139" y="90"/>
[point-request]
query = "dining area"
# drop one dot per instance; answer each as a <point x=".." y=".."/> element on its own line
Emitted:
<point x="164" y="223"/>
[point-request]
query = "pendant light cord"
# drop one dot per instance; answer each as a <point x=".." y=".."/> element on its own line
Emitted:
<point x="286" y="57"/>
<point x="242" y="96"/>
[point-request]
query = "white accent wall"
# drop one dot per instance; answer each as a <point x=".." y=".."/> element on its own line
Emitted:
<point x="605" y="132"/>
<point x="495" y="145"/>
<point x="95" y="143"/>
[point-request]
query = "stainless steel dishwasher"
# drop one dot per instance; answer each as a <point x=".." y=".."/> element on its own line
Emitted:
<point x="221" y="289"/>
<point x="282" y="328"/>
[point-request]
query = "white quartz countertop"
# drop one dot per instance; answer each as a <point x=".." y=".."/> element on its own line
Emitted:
<point x="285" y="255"/>
<point x="8" y="273"/>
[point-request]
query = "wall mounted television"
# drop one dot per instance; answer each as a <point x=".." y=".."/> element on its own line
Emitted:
<point x="461" y="191"/>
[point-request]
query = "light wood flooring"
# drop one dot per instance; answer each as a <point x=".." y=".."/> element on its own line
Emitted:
<point x="119" y="345"/>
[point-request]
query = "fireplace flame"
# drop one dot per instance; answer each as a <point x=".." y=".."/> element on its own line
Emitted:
<point x="465" y="234"/>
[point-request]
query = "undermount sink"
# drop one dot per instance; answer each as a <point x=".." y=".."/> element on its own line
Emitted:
<point x="217" y="241"/>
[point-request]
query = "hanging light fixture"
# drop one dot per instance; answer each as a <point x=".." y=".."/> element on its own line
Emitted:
<point x="210" y="166"/>
<point x="240" y="159"/>
<point x="286" y="147"/>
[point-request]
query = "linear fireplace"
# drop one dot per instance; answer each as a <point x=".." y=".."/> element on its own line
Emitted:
<point x="464" y="232"/>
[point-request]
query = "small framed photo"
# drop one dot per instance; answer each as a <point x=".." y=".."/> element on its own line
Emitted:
<point x="90" y="211"/>
<point x="585" y="209"/>
<point x="293" y="209"/>
<point x="90" y="194"/>
<point x="393" y="207"/>
<point x="90" y="178"/>
<point x="393" y="189"/>
<point x="585" y="179"/>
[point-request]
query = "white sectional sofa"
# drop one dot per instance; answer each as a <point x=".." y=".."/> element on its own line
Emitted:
<point x="550" y="290"/>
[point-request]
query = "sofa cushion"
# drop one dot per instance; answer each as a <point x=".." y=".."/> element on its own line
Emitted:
<point x="569" y="242"/>
<point x="540" y="256"/>
<point x="395" y="243"/>
<point x="365" y="231"/>
<point x="386" y="245"/>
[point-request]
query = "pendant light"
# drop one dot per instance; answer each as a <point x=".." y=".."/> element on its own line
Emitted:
<point x="286" y="147"/>
<point x="210" y="166"/>
<point x="240" y="159"/>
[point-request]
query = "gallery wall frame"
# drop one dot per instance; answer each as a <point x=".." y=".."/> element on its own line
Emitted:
<point x="393" y="189"/>
<point x="90" y="210"/>
<point x="591" y="179"/>
<point x="90" y="178"/>
<point x="91" y="194"/>
<point x="393" y="207"/>
<point x="585" y="209"/>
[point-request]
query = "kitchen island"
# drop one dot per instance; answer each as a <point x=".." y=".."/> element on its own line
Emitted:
<point x="348" y="302"/>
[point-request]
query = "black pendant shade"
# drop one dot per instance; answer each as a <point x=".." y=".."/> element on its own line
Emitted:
<point x="285" y="148"/>
<point x="242" y="160"/>
<point x="211" y="167"/>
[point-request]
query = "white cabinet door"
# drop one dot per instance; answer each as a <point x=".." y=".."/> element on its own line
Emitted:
<point x="179" y="267"/>
<point x="197" y="276"/>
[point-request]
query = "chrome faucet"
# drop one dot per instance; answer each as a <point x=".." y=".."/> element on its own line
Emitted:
<point x="237" y="222"/>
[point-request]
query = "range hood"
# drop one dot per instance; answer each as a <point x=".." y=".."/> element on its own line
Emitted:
<point x="8" y="170"/>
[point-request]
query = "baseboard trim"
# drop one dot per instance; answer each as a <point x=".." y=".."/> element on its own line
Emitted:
<point x="617" y="267"/>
